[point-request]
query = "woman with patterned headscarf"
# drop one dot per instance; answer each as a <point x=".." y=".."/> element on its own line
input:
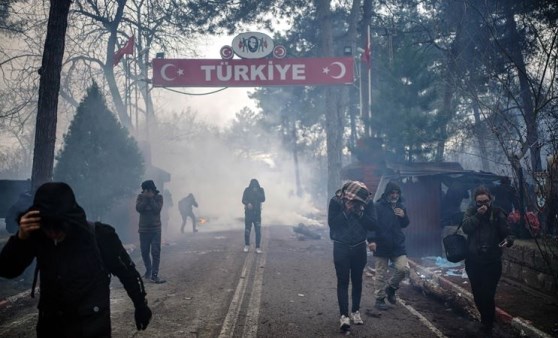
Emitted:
<point x="350" y="216"/>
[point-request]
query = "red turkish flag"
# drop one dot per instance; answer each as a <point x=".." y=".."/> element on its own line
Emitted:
<point x="128" y="49"/>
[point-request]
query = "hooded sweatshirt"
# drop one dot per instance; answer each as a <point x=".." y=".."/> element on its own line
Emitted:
<point x="74" y="272"/>
<point x="389" y="236"/>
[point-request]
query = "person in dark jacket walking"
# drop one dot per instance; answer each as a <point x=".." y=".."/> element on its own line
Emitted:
<point x="388" y="243"/>
<point x="75" y="259"/>
<point x="252" y="198"/>
<point x="149" y="204"/>
<point x="487" y="232"/>
<point x="185" y="206"/>
<point x="350" y="215"/>
<point x="505" y="196"/>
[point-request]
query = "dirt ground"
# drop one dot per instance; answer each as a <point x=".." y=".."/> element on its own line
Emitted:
<point x="201" y="270"/>
<point x="517" y="300"/>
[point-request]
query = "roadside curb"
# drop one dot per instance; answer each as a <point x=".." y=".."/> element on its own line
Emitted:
<point x="464" y="299"/>
<point x="13" y="299"/>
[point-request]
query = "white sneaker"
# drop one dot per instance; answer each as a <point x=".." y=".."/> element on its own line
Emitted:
<point x="344" y="323"/>
<point x="355" y="317"/>
<point x="246" y="248"/>
<point x="258" y="250"/>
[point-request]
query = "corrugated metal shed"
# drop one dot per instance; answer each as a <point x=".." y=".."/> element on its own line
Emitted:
<point x="423" y="187"/>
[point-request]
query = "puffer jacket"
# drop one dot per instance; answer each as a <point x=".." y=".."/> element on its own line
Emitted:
<point x="389" y="236"/>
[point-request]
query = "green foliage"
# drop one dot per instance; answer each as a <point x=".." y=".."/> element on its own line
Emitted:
<point x="7" y="25"/>
<point x="246" y="136"/>
<point x="210" y="17"/>
<point x="403" y="104"/>
<point x="99" y="159"/>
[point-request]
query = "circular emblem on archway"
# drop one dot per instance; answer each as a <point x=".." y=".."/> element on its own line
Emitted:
<point x="226" y="52"/>
<point x="279" y="52"/>
<point x="252" y="45"/>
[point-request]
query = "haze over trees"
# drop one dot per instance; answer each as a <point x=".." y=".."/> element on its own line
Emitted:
<point x="99" y="159"/>
<point x="467" y="80"/>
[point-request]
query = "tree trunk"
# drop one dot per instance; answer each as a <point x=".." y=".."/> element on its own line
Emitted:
<point x="352" y="36"/>
<point x="480" y="130"/>
<point x="529" y="114"/>
<point x="333" y="120"/>
<point x="295" y="159"/>
<point x="49" y="87"/>
<point x="108" y="70"/>
<point x="365" y="76"/>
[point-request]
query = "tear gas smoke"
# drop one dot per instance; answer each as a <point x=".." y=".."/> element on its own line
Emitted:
<point x="203" y="164"/>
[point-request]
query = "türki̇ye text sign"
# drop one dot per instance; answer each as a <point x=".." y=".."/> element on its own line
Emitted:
<point x="252" y="72"/>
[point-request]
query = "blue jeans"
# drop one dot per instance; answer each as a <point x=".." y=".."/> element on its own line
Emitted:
<point x="150" y="244"/>
<point x="248" y="221"/>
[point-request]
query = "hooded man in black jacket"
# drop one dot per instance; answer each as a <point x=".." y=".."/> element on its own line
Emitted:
<point x="75" y="259"/>
<point x="252" y="198"/>
<point x="388" y="243"/>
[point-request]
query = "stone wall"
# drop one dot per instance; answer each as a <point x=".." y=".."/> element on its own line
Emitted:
<point x="524" y="264"/>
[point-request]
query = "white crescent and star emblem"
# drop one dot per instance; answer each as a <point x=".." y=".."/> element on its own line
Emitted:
<point x="164" y="72"/>
<point x="342" y="70"/>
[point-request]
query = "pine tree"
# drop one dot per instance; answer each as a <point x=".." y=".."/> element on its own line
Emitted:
<point x="99" y="159"/>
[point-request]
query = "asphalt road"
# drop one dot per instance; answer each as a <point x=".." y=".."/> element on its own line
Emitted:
<point x="214" y="289"/>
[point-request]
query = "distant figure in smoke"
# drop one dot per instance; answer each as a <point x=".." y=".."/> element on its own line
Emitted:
<point x="149" y="204"/>
<point x="505" y="196"/>
<point x="252" y="198"/>
<point x="167" y="197"/>
<point x="75" y="259"/>
<point x="185" y="206"/>
<point x="487" y="232"/>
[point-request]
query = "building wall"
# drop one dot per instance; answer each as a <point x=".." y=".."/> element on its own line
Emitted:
<point x="423" y="199"/>
<point x="524" y="264"/>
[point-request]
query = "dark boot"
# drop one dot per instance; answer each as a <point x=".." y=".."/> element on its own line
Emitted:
<point x="390" y="292"/>
<point x="381" y="304"/>
<point x="157" y="280"/>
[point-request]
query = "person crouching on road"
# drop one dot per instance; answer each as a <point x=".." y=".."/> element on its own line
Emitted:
<point x="388" y="243"/>
<point x="487" y="232"/>
<point x="75" y="259"/>
<point x="350" y="215"/>
<point x="185" y="207"/>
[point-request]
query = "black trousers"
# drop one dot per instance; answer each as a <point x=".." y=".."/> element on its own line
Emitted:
<point x="484" y="277"/>
<point x="349" y="264"/>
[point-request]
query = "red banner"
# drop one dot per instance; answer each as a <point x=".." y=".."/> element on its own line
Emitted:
<point x="252" y="72"/>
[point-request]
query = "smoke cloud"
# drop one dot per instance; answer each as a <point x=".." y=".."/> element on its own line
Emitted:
<point x="201" y="162"/>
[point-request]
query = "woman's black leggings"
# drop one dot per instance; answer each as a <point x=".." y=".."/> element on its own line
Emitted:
<point x="484" y="277"/>
<point x="349" y="264"/>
